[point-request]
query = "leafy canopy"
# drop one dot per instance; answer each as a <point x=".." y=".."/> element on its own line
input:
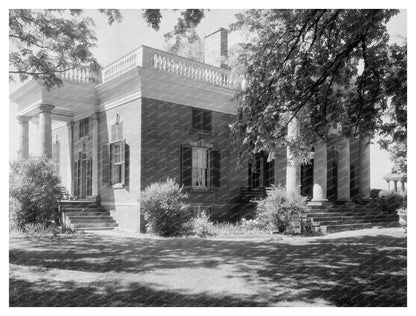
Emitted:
<point x="327" y="68"/>
<point x="45" y="43"/>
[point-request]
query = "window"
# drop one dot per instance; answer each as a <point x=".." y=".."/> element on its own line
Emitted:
<point x="200" y="167"/>
<point x="117" y="132"/>
<point x="84" y="127"/>
<point x="202" y="120"/>
<point x="117" y="154"/>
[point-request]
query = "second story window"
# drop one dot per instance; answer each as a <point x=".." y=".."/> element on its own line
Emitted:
<point x="202" y="120"/>
<point x="84" y="127"/>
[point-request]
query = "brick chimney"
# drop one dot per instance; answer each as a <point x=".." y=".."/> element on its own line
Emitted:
<point x="216" y="48"/>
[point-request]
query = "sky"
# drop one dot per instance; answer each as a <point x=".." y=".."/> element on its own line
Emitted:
<point x="120" y="38"/>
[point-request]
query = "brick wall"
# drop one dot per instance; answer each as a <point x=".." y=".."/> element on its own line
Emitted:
<point x="165" y="127"/>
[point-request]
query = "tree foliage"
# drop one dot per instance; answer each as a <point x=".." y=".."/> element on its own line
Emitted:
<point x="189" y="18"/>
<point x="188" y="45"/>
<point x="183" y="39"/>
<point x="394" y="129"/>
<point x="34" y="191"/>
<point x="328" y="68"/>
<point x="45" y="43"/>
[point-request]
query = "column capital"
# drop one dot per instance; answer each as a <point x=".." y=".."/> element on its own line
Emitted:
<point x="23" y="119"/>
<point x="46" y="107"/>
<point x="70" y="124"/>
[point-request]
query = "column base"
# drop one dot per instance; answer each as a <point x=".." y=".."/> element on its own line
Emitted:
<point x="319" y="202"/>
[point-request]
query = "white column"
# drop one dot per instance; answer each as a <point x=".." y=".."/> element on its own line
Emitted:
<point x="45" y="130"/>
<point x="320" y="173"/>
<point x="94" y="119"/>
<point x="23" y="151"/>
<point x="395" y="185"/>
<point x="388" y="185"/>
<point x="344" y="172"/>
<point x="292" y="167"/>
<point x="70" y="127"/>
<point x="365" y="175"/>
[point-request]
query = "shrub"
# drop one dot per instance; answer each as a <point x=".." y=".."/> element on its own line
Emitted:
<point x="402" y="212"/>
<point x="34" y="192"/>
<point x="391" y="201"/>
<point x="239" y="229"/>
<point x="280" y="210"/>
<point x="165" y="210"/>
<point x="374" y="193"/>
<point x="201" y="226"/>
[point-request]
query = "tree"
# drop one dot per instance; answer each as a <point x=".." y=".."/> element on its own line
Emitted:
<point x="188" y="45"/>
<point x="45" y="43"/>
<point x="394" y="130"/>
<point x="304" y="64"/>
<point x="189" y="18"/>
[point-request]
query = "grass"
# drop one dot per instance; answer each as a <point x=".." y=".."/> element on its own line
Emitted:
<point x="366" y="268"/>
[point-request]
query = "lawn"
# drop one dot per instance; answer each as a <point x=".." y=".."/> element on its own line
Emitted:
<point x="365" y="268"/>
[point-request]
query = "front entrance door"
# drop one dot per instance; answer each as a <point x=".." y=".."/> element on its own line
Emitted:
<point x="306" y="180"/>
<point x="82" y="176"/>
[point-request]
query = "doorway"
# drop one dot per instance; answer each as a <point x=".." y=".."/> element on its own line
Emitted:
<point x="82" y="176"/>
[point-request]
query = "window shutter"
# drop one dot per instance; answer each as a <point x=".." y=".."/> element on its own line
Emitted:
<point x="215" y="168"/>
<point x="186" y="166"/>
<point x="123" y="163"/>
<point x="105" y="167"/>
<point x="75" y="178"/>
<point x="197" y="119"/>
<point x="207" y="118"/>
<point x="126" y="165"/>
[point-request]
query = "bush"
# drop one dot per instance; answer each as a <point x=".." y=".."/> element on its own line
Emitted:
<point x="279" y="210"/>
<point x="201" y="226"/>
<point x="374" y="193"/>
<point x="165" y="210"/>
<point x="392" y="201"/>
<point x="34" y="192"/>
<point x="239" y="229"/>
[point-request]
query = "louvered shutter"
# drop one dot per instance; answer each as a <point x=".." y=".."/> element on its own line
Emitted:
<point x="186" y="166"/>
<point x="196" y="119"/>
<point x="105" y="164"/>
<point x="207" y="119"/>
<point x="75" y="178"/>
<point x="215" y="168"/>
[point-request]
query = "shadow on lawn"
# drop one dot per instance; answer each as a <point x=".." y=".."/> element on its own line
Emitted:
<point x="359" y="271"/>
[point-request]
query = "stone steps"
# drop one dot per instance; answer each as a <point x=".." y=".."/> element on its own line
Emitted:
<point x="86" y="215"/>
<point x="348" y="216"/>
<point x="348" y="227"/>
<point x="84" y="225"/>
